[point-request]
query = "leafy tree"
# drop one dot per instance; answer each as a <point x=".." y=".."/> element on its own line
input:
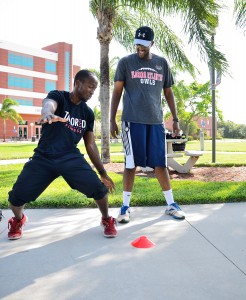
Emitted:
<point x="119" y="19"/>
<point x="8" y="113"/>
<point x="194" y="129"/>
<point x="229" y="129"/>
<point x="193" y="101"/>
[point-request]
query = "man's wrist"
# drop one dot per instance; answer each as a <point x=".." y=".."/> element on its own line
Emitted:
<point x="102" y="172"/>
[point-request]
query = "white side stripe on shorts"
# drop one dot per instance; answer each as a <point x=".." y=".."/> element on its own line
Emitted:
<point x="127" y="145"/>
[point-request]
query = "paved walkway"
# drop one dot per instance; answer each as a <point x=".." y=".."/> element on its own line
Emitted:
<point x="63" y="255"/>
<point x="13" y="161"/>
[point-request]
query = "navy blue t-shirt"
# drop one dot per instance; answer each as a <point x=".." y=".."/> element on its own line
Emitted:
<point x="60" y="138"/>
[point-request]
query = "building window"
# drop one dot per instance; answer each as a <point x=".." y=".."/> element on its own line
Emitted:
<point x="20" y="82"/>
<point x="20" y="60"/>
<point x="50" y="66"/>
<point x="26" y="102"/>
<point x="67" y="71"/>
<point x="50" y="86"/>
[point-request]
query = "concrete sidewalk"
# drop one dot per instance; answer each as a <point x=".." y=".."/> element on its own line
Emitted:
<point x="63" y="255"/>
<point x="13" y="161"/>
<point x="24" y="160"/>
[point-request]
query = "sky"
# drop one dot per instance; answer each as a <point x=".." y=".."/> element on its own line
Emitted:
<point x="40" y="23"/>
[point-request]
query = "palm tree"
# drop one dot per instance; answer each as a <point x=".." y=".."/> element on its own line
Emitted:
<point x="8" y="113"/>
<point x="119" y="19"/>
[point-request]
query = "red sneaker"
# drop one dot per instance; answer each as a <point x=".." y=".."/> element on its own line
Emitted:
<point x="15" y="227"/>
<point x="109" y="227"/>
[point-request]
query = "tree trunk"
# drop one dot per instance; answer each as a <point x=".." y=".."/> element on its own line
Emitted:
<point x="4" y="130"/>
<point x="104" y="101"/>
<point x="105" y="14"/>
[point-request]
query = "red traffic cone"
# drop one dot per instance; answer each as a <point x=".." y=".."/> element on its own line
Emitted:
<point x="143" y="242"/>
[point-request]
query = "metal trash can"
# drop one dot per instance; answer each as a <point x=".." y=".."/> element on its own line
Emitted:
<point x="33" y="138"/>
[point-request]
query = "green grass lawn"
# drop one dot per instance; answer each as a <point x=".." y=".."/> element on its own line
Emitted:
<point x="222" y="160"/>
<point x="25" y="150"/>
<point x="225" y="145"/>
<point x="147" y="192"/>
<point x="15" y="150"/>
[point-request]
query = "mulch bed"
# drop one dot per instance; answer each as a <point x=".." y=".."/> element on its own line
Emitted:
<point x="202" y="174"/>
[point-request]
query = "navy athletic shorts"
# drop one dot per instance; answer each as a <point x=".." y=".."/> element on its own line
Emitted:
<point x="40" y="171"/>
<point x="144" y="145"/>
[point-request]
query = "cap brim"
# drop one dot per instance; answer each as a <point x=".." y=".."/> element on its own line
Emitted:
<point x="142" y="42"/>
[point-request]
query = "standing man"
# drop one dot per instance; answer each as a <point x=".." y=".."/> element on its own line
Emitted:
<point x="65" y="119"/>
<point x="143" y="76"/>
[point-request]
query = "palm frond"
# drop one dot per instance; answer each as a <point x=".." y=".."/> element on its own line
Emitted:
<point x="9" y="113"/>
<point x="8" y="102"/>
<point x="100" y="6"/>
<point x="165" y="41"/>
<point x="200" y="19"/>
<point x="164" y="7"/>
<point x="240" y="13"/>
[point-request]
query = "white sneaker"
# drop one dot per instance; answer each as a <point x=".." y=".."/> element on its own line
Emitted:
<point x="124" y="215"/>
<point x="175" y="211"/>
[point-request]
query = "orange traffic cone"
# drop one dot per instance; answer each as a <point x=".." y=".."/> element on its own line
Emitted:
<point x="143" y="242"/>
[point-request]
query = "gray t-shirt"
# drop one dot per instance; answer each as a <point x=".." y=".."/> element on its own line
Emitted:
<point x="144" y="81"/>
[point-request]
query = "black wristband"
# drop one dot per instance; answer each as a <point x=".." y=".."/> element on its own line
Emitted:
<point x="102" y="172"/>
<point x="175" y="120"/>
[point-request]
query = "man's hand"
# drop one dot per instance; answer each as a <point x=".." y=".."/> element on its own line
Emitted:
<point x="108" y="182"/>
<point x="114" y="129"/>
<point x="176" y="129"/>
<point x="50" y="118"/>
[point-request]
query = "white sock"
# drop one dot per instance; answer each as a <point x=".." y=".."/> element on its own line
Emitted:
<point x="168" y="196"/>
<point x="126" y="198"/>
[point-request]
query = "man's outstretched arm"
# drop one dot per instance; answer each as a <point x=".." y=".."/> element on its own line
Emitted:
<point x="47" y="113"/>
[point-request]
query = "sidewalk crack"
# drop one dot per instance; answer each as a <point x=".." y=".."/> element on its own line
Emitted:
<point x="231" y="261"/>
